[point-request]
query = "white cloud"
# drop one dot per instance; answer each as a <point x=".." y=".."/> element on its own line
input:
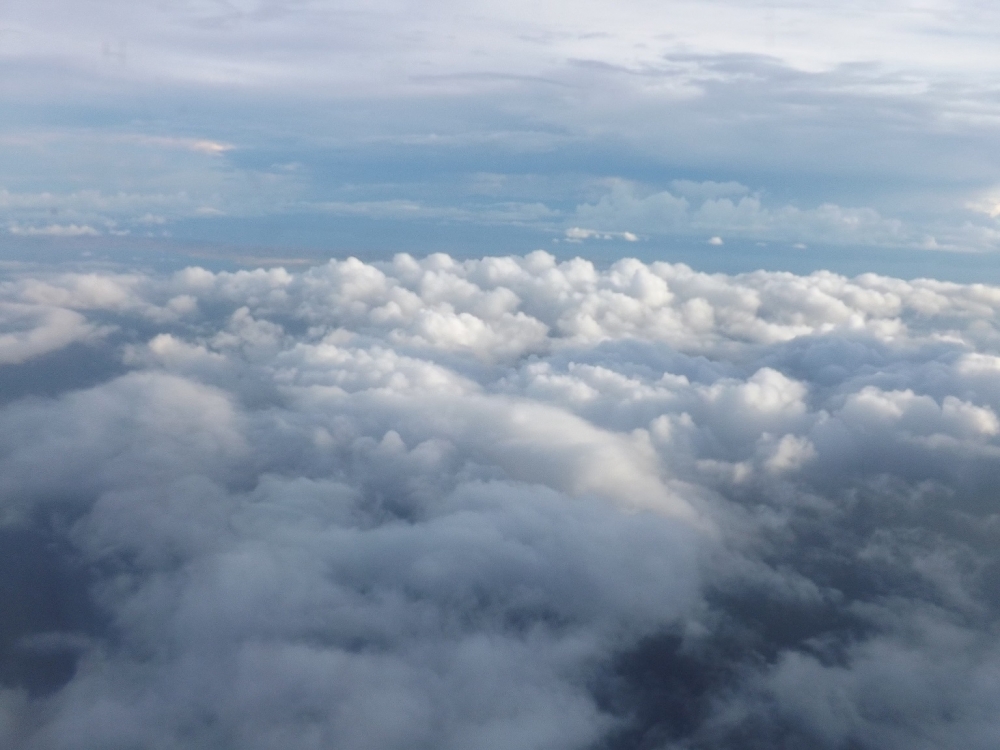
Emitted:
<point x="578" y="234"/>
<point x="29" y="331"/>
<point x="200" y="145"/>
<point x="733" y="210"/>
<point x="514" y="38"/>
<point x="54" y="230"/>
<point x="506" y="502"/>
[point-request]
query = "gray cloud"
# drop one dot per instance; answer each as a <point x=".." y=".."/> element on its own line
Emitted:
<point x="348" y="112"/>
<point x="504" y="502"/>
<point x="730" y="209"/>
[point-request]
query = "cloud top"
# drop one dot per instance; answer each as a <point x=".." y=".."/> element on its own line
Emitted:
<point x="504" y="502"/>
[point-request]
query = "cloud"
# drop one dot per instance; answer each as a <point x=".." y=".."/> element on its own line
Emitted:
<point x="54" y="230"/>
<point x="392" y="112"/>
<point x="733" y="209"/>
<point x="200" y="145"/>
<point x="31" y="330"/>
<point x="502" y="213"/>
<point x="578" y="234"/>
<point x="128" y="178"/>
<point x="512" y="39"/>
<point x="505" y="501"/>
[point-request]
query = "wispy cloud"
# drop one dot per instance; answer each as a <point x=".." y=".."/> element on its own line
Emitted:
<point x="54" y="230"/>
<point x="578" y="234"/>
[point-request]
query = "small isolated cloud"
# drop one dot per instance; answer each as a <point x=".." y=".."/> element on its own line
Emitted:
<point x="501" y="502"/>
<point x="578" y="234"/>
<point x="715" y="240"/>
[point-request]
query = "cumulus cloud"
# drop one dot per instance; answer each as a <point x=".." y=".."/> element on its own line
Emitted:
<point x="32" y="330"/>
<point x="505" y="502"/>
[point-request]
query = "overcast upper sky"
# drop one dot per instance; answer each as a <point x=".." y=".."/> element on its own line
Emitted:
<point x="777" y="134"/>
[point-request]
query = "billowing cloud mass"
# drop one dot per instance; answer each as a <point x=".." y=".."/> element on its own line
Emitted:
<point x="498" y="503"/>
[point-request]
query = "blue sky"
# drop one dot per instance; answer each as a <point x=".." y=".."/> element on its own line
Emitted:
<point x="728" y="135"/>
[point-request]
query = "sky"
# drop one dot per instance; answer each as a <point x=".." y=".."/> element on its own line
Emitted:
<point x="728" y="135"/>
<point x="514" y="376"/>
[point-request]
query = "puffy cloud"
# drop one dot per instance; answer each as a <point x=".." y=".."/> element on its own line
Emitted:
<point x="32" y="330"/>
<point x="502" y="502"/>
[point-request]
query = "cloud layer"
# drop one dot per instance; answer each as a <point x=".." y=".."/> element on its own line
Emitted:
<point x="505" y="503"/>
<point x="290" y="123"/>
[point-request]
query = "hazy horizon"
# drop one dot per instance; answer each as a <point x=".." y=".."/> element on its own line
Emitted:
<point x="797" y="133"/>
